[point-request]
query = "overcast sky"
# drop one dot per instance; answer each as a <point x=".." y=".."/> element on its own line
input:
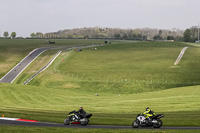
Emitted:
<point x="27" y="16"/>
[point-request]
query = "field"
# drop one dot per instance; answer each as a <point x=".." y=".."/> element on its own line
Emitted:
<point x="128" y="77"/>
<point x="121" y="68"/>
<point x="19" y="129"/>
<point x="50" y="104"/>
<point x="13" y="50"/>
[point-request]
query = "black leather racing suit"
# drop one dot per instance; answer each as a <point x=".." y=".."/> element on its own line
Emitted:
<point x="82" y="113"/>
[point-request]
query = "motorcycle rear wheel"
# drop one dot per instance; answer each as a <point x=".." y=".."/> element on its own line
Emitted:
<point x="84" y="123"/>
<point x="158" y="124"/>
<point x="135" y="124"/>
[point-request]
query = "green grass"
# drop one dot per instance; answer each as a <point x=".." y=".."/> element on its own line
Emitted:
<point x="50" y="104"/>
<point x="124" y="68"/>
<point x="14" y="50"/>
<point x="127" y="76"/>
<point x="36" y="65"/>
<point x="19" y="129"/>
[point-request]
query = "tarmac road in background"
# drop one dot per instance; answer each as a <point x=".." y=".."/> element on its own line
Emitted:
<point x="15" y="71"/>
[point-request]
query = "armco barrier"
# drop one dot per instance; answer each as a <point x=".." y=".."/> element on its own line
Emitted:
<point x="45" y="67"/>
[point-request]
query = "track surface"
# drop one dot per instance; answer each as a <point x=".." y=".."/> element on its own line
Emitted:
<point x="13" y="73"/>
<point x="180" y="56"/>
<point x="46" y="124"/>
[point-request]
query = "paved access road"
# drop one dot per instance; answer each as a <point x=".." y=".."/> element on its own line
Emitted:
<point x="46" y="124"/>
<point x="15" y="71"/>
<point x="180" y="56"/>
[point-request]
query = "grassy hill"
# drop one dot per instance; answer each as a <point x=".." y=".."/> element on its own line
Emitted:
<point x="127" y="76"/>
<point x="14" y="50"/>
<point x="122" y="68"/>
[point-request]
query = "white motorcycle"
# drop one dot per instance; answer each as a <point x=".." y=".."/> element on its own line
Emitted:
<point x="141" y="121"/>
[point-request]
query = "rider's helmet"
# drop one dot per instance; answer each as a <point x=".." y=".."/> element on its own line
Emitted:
<point x="81" y="107"/>
<point x="147" y="109"/>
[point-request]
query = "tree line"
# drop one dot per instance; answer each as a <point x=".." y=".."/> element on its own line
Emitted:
<point x="117" y="33"/>
<point x="189" y="35"/>
<point x="12" y="35"/>
<point x="114" y="33"/>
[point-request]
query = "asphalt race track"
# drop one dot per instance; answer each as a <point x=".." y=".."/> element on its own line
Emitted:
<point x="46" y="124"/>
<point x="13" y="73"/>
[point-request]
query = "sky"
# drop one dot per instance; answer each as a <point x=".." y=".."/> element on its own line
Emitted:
<point x="27" y="16"/>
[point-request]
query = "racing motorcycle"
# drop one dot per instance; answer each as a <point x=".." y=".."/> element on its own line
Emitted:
<point x="141" y="121"/>
<point x="75" y="118"/>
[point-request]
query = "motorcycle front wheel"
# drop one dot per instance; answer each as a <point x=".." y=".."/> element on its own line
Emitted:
<point x="67" y="121"/>
<point x="158" y="124"/>
<point x="135" y="124"/>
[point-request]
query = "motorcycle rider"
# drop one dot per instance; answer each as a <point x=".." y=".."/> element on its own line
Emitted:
<point x="80" y="113"/>
<point x="149" y="113"/>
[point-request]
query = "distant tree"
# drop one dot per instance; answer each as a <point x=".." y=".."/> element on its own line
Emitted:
<point x="69" y="36"/>
<point x="179" y="38"/>
<point x="74" y="36"/>
<point x="170" y="37"/>
<point x="33" y="35"/>
<point x="144" y="37"/>
<point x="134" y="36"/>
<point x="139" y="36"/>
<point x="5" y="34"/>
<point x="117" y="36"/>
<point x="86" y="36"/>
<point x="160" y="32"/>
<point x="39" y="35"/>
<point x="187" y="35"/>
<point x="194" y="33"/>
<point x="191" y="34"/>
<point x="99" y="32"/>
<point x="13" y="34"/>
<point x="129" y="34"/>
<point x="124" y="36"/>
<point x="157" y="37"/>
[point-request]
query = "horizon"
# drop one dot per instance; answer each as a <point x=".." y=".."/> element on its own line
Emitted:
<point x="25" y="16"/>
<point x="95" y="27"/>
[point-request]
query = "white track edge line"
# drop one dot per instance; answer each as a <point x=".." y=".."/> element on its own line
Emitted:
<point x="45" y="67"/>
<point x="28" y="65"/>
<point x="6" y="118"/>
<point x="18" y="63"/>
